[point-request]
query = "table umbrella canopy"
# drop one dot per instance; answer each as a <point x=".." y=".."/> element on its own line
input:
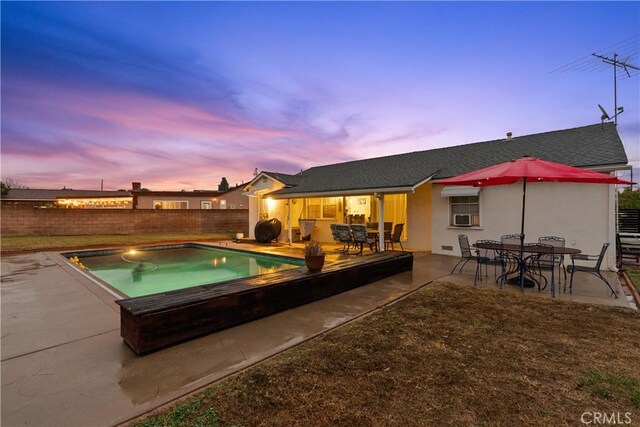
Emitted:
<point x="533" y="170"/>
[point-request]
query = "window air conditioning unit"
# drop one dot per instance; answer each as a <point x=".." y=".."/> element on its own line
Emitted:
<point x="462" y="220"/>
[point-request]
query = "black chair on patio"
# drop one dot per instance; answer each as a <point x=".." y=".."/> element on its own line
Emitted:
<point x="547" y="262"/>
<point x="465" y="251"/>
<point x="361" y="237"/>
<point x="595" y="270"/>
<point x="394" y="238"/>
<point x="495" y="257"/>
<point x="344" y="236"/>
<point x="511" y="239"/>
<point x="334" y="234"/>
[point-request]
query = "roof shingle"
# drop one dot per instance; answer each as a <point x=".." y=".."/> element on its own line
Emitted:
<point x="587" y="146"/>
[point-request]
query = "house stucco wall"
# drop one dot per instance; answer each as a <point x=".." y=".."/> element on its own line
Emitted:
<point x="581" y="213"/>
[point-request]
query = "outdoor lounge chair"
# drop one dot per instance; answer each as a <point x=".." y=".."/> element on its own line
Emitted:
<point x="465" y="251"/>
<point x="344" y="236"/>
<point x="510" y="239"/>
<point x="595" y="270"/>
<point x="395" y="237"/>
<point x="361" y="237"/>
<point x="493" y="257"/>
<point x="547" y="262"/>
<point x="334" y="234"/>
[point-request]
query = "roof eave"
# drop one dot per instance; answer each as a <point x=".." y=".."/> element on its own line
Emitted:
<point x="333" y="193"/>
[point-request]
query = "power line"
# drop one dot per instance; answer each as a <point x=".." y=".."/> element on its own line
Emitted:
<point x="625" y="46"/>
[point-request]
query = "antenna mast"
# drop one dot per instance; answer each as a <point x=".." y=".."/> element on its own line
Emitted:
<point x="616" y="64"/>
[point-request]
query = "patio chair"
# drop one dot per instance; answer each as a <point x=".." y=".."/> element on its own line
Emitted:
<point x="481" y="260"/>
<point x="493" y="257"/>
<point x="510" y="239"/>
<point x="465" y="250"/>
<point x="595" y="270"/>
<point x="535" y="263"/>
<point x="344" y="236"/>
<point x="395" y="237"/>
<point x="361" y="237"/>
<point x="334" y="234"/>
<point x="547" y="262"/>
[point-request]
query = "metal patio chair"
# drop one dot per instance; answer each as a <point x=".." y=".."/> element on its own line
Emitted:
<point x="395" y="237"/>
<point x="546" y="262"/>
<point x="361" y="237"/>
<point x="495" y="257"/>
<point x="595" y="270"/>
<point x="465" y="251"/>
<point x="344" y="237"/>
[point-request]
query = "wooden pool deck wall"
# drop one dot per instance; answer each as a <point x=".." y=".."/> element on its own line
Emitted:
<point x="152" y="322"/>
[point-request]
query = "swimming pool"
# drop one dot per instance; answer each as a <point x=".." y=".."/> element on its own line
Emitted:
<point x="151" y="270"/>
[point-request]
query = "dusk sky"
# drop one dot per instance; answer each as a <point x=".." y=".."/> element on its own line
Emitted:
<point x="177" y="95"/>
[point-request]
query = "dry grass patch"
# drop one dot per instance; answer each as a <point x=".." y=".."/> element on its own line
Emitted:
<point x="446" y="355"/>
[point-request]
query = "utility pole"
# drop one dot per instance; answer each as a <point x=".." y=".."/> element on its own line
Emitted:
<point x="616" y="64"/>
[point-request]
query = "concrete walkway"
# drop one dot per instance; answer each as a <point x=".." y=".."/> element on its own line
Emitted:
<point x="64" y="363"/>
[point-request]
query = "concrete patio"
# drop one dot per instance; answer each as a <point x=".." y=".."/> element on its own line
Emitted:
<point x="64" y="363"/>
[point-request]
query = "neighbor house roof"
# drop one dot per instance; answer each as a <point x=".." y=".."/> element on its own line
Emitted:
<point x="182" y="193"/>
<point x="40" y="195"/>
<point x="587" y="146"/>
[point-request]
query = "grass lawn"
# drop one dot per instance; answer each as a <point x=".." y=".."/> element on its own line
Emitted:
<point x="11" y="244"/>
<point x="634" y="275"/>
<point x="446" y="355"/>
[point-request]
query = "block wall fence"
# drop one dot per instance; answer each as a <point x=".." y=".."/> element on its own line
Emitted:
<point x="18" y="220"/>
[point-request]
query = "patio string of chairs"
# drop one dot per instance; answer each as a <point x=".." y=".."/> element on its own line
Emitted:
<point x="356" y="236"/>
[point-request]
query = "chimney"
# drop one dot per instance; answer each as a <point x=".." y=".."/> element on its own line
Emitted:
<point x="135" y="186"/>
<point x="509" y="136"/>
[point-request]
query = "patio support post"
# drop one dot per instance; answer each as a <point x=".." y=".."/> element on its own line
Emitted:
<point x="380" y="198"/>
<point x="289" y="221"/>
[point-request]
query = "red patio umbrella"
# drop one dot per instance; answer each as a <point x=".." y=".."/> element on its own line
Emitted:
<point x="533" y="170"/>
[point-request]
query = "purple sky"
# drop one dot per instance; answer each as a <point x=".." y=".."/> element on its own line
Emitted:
<point x="178" y="95"/>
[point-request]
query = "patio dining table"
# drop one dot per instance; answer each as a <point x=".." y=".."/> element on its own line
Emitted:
<point x="534" y="249"/>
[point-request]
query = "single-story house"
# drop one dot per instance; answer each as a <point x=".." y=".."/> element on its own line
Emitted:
<point x="65" y="198"/>
<point x="197" y="199"/>
<point x="400" y="188"/>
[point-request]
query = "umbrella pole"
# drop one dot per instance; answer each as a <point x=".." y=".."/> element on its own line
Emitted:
<point x="524" y="202"/>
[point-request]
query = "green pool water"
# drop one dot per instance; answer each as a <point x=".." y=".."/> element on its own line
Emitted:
<point x="145" y="272"/>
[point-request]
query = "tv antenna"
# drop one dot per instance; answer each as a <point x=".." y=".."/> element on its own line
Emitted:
<point x="616" y="64"/>
<point x="605" y="115"/>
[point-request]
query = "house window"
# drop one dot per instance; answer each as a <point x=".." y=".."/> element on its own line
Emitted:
<point x="223" y="204"/>
<point x="322" y="208"/>
<point x="205" y="204"/>
<point x="170" y="204"/>
<point x="465" y="211"/>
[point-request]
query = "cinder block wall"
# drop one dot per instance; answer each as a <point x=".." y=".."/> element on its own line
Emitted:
<point x="23" y="220"/>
